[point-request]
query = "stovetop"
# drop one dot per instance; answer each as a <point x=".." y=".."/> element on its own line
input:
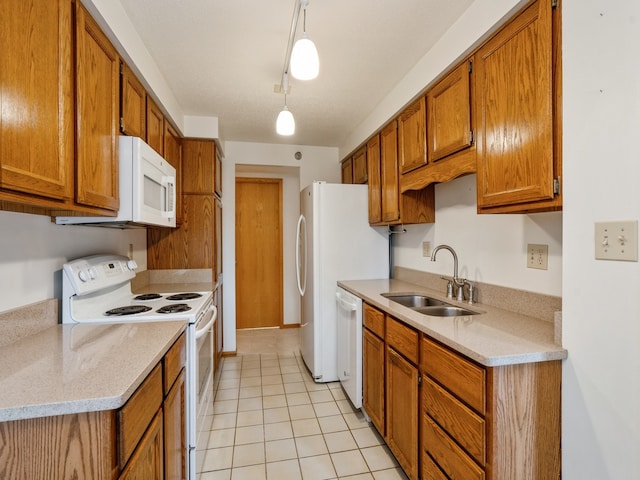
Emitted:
<point x="98" y="289"/>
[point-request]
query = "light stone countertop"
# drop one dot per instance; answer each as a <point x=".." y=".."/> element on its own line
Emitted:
<point x="495" y="337"/>
<point x="76" y="368"/>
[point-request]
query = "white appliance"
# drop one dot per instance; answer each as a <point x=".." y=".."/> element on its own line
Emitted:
<point x="146" y="189"/>
<point x="334" y="242"/>
<point x="97" y="289"/>
<point x="349" y="308"/>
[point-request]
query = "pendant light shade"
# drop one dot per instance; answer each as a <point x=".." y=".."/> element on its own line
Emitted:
<point x="285" y="124"/>
<point x="305" y="63"/>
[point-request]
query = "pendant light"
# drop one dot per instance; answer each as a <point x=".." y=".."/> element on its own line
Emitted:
<point x="305" y="63"/>
<point x="285" y="124"/>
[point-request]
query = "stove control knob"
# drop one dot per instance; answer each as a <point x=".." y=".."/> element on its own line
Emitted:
<point x="83" y="275"/>
<point x="132" y="265"/>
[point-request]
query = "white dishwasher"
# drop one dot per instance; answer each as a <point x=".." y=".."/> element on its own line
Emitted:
<point x="349" y="330"/>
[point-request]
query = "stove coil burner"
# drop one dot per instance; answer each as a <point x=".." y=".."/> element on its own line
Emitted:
<point x="174" y="308"/>
<point x="128" y="310"/>
<point x="184" y="296"/>
<point x="148" y="296"/>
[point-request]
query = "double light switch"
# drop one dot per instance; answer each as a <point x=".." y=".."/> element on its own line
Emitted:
<point x="617" y="240"/>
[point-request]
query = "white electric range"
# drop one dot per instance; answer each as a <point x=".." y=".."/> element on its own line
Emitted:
<point x="97" y="289"/>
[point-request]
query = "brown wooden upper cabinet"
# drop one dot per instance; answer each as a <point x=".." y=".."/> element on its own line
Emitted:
<point x="133" y="107"/>
<point x="360" y="173"/>
<point x="517" y="84"/>
<point x="411" y="136"/>
<point x="374" y="180"/>
<point x="97" y="104"/>
<point x="173" y="155"/>
<point x="155" y="126"/>
<point x="389" y="173"/>
<point x="36" y="123"/>
<point x="198" y="164"/>
<point x="218" y="174"/>
<point x="346" y="168"/>
<point x="449" y="114"/>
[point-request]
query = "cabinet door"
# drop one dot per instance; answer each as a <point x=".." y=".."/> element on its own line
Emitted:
<point x="155" y="126"/>
<point x="347" y="170"/>
<point x="173" y="155"/>
<point x="175" y="459"/>
<point x="374" y="180"/>
<point x="373" y="378"/>
<point x="389" y="173"/>
<point x="97" y="95"/>
<point x="449" y="114"/>
<point x="147" y="460"/>
<point x="514" y="111"/>
<point x="198" y="163"/>
<point x="36" y="99"/>
<point x="133" y="109"/>
<point x="218" y="174"/>
<point x="412" y="136"/>
<point x="360" y="166"/>
<point x="402" y="412"/>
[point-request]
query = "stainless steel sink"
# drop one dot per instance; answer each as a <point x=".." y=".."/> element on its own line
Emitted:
<point x="427" y="305"/>
<point x="445" y="311"/>
<point x="413" y="300"/>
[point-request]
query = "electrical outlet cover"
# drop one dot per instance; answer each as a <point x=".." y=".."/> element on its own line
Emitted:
<point x="537" y="256"/>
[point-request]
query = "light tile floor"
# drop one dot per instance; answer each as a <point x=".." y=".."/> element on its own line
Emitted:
<point x="272" y="422"/>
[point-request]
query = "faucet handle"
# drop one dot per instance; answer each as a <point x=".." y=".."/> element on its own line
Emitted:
<point x="472" y="289"/>
<point x="449" y="286"/>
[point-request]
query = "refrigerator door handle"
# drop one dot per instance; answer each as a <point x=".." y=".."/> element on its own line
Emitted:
<point x="301" y="232"/>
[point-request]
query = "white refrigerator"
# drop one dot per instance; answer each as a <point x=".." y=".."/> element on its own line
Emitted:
<point x="334" y="242"/>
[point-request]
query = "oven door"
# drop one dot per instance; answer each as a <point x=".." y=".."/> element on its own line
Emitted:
<point x="203" y="390"/>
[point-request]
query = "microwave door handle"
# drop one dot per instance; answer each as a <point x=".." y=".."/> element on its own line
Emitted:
<point x="170" y="196"/>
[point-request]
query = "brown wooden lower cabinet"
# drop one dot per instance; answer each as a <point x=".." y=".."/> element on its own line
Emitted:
<point x="475" y="422"/>
<point x="138" y="441"/>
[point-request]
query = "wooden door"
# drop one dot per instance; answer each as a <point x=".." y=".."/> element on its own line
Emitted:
<point x="374" y="180"/>
<point x="155" y="126"/>
<point x="360" y="165"/>
<point x="259" y="294"/>
<point x="412" y="123"/>
<point x="175" y="460"/>
<point x="36" y="99"/>
<point x="389" y="173"/>
<point x="97" y="107"/>
<point x="133" y="109"/>
<point x="147" y="460"/>
<point x="449" y="114"/>
<point x="373" y="378"/>
<point x="514" y="111"/>
<point x="402" y="411"/>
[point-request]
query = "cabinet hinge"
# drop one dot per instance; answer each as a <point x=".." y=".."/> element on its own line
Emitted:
<point x="121" y="68"/>
<point x="470" y="66"/>
<point x="556" y="186"/>
<point x="471" y="137"/>
<point x="554" y="3"/>
<point x="419" y="379"/>
<point x="121" y="124"/>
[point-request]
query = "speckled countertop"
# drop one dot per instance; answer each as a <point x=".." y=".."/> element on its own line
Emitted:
<point x="493" y="338"/>
<point x="81" y="367"/>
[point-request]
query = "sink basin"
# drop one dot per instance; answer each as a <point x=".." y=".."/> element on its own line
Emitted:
<point x="428" y="305"/>
<point x="445" y="311"/>
<point x="413" y="300"/>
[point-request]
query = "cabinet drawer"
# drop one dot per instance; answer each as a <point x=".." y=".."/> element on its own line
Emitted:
<point x="467" y="428"/>
<point x="174" y="361"/>
<point x="403" y="339"/>
<point x="373" y="319"/>
<point x="447" y="454"/>
<point x="137" y="413"/>
<point x="460" y="376"/>
<point x="431" y="471"/>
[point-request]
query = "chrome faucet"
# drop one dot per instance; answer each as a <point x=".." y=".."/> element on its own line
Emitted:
<point x="458" y="282"/>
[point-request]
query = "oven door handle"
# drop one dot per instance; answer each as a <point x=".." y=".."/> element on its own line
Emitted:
<point x="201" y="332"/>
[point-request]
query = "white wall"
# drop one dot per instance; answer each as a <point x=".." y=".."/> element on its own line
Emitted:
<point x="491" y="248"/>
<point x="601" y="302"/>
<point x="317" y="163"/>
<point x="32" y="251"/>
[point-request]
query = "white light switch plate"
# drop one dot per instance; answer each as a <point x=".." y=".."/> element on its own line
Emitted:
<point x="617" y="240"/>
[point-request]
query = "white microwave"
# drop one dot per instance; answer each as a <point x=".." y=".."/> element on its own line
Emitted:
<point x="147" y="190"/>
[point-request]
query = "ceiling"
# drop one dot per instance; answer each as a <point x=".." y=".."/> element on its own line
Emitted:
<point x="222" y="58"/>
